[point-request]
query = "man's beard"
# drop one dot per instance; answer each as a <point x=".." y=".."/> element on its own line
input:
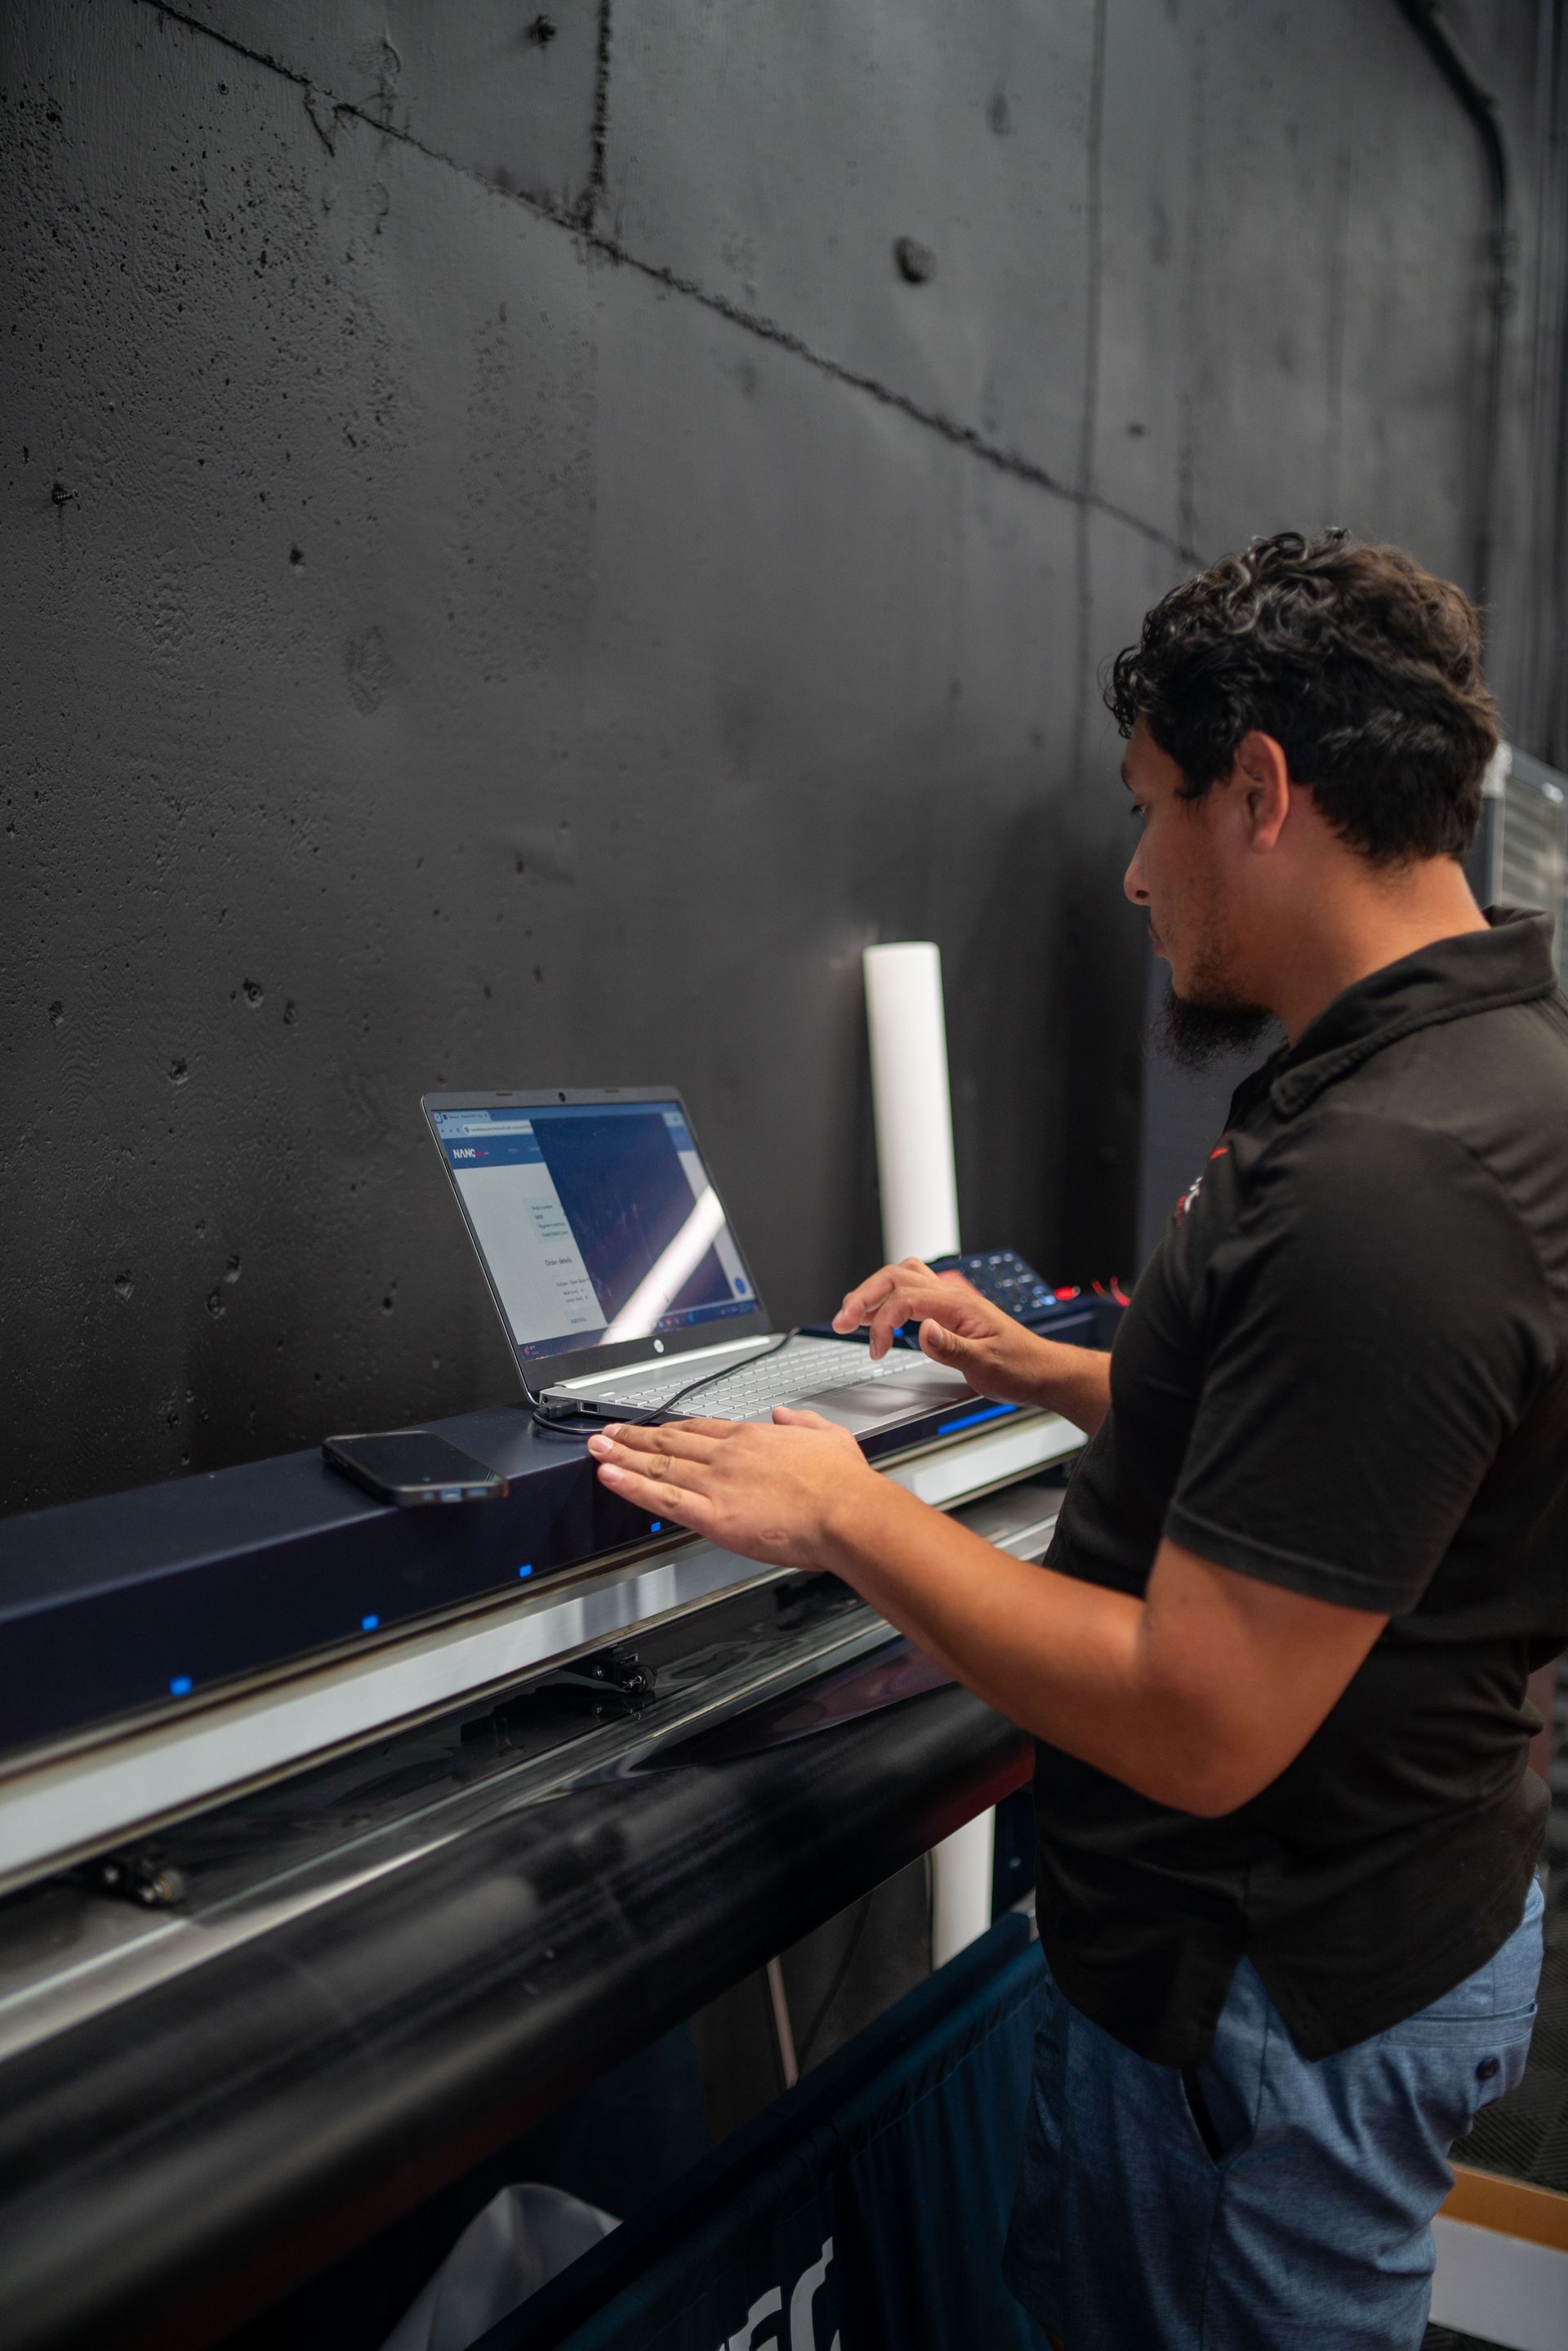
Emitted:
<point x="1195" y="1032"/>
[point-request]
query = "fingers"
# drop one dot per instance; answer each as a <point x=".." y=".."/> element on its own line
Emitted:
<point x="659" y="1500"/>
<point x="860" y="1304"/>
<point x="887" y="1321"/>
<point x="687" y="1440"/>
<point x="791" y="1416"/>
<point x="913" y="1293"/>
<point x="916" y="1294"/>
<point x="678" y="1471"/>
<point x="941" y="1345"/>
<point x="637" y="1457"/>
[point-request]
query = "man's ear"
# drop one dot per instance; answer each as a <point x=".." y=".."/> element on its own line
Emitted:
<point x="1262" y="775"/>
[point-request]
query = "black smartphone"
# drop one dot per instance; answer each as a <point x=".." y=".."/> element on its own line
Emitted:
<point x="410" y="1465"/>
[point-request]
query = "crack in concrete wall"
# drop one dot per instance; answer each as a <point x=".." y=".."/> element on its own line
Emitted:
<point x="601" y="131"/>
<point x="580" y="223"/>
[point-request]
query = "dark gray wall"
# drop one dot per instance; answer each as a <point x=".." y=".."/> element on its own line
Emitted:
<point x="508" y="583"/>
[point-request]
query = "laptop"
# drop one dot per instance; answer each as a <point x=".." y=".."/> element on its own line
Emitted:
<point x="619" y="1278"/>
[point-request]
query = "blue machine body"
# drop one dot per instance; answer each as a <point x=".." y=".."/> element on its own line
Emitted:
<point x="150" y="1598"/>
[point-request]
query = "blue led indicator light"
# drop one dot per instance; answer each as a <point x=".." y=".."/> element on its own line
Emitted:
<point x="452" y="1493"/>
<point x="991" y="1412"/>
<point x="525" y="1571"/>
<point x="369" y="1624"/>
<point x="657" y="1527"/>
<point x="181" y="1685"/>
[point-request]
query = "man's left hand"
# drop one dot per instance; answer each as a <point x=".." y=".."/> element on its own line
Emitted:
<point x="772" y="1493"/>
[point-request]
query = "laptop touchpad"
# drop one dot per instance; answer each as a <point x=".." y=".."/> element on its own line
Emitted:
<point x="872" y="1404"/>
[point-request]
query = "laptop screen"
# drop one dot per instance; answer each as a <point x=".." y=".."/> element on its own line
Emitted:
<point x="596" y="1222"/>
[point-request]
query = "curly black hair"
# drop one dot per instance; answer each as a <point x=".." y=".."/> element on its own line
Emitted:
<point x="1364" y="668"/>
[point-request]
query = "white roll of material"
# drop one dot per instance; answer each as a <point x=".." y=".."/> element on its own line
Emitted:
<point x="914" y="1112"/>
<point x="962" y="1868"/>
<point x="910" y="1095"/>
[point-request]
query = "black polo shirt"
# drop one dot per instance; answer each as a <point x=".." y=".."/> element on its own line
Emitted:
<point x="1346" y="1370"/>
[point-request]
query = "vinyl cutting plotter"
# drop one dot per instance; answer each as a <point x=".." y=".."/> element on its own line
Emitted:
<point x="339" y="1842"/>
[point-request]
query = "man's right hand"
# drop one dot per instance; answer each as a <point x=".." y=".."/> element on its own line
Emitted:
<point x="957" y="1327"/>
<point x="960" y="1329"/>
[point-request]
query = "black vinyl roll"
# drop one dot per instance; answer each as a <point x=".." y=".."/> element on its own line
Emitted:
<point x="177" y="2163"/>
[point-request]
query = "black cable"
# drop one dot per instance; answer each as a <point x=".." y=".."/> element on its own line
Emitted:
<point x="575" y="1425"/>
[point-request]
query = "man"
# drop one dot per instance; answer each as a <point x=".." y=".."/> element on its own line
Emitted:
<point x="1276" y="1661"/>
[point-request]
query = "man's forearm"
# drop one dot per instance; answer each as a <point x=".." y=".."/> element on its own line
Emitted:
<point x="1061" y="1658"/>
<point x="1196" y="1695"/>
<point x="1074" y="1382"/>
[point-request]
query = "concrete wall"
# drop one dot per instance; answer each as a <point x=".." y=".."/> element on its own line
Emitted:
<point x="511" y="579"/>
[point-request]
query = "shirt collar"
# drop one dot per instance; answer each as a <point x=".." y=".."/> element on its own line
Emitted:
<point x="1510" y="963"/>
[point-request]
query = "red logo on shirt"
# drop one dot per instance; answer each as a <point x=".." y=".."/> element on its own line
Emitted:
<point x="1196" y="1186"/>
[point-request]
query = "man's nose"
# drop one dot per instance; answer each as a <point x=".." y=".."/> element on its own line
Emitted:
<point x="1133" y="881"/>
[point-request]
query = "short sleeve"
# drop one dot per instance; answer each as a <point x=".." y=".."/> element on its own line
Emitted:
<point x="1375" y="1325"/>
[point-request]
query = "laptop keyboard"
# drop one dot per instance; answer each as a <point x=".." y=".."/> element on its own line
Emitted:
<point x="803" y="1369"/>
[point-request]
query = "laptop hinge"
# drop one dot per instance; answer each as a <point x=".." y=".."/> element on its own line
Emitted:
<point x="647" y="1363"/>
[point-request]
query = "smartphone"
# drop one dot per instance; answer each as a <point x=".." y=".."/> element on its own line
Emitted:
<point x="409" y="1466"/>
